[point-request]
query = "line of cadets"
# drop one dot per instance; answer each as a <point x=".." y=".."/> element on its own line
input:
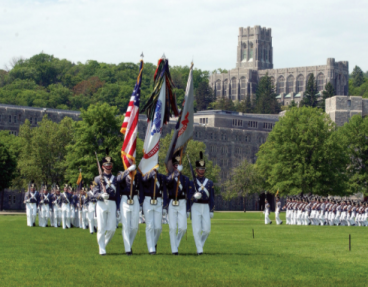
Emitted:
<point x="155" y="194"/>
<point x="325" y="211"/>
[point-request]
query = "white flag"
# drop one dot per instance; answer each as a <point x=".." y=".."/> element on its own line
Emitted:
<point x="153" y="135"/>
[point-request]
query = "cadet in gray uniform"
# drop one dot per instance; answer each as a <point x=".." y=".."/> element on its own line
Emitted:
<point x="277" y="212"/>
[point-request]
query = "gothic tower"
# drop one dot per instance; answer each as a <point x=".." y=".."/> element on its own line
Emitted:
<point x="254" y="48"/>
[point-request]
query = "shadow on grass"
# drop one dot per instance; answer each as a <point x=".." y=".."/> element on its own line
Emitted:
<point x="180" y="254"/>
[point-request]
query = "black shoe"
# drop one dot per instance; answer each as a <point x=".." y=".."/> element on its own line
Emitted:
<point x="71" y="226"/>
<point x="103" y="254"/>
<point x="271" y="222"/>
<point x="91" y="232"/>
<point x="281" y="223"/>
<point x="47" y="225"/>
<point x="34" y="224"/>
<point x="128" y="253"/>
<point x="152" y="253"/>
<point x="201" y="253"/>
<point x="131" y="251"/>
<point x="95" y="229"/>
<point x="156" y="247"/>
<point x="175" y="253"/>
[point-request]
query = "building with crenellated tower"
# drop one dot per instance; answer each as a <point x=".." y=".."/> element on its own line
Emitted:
<point x="255" y="58"/>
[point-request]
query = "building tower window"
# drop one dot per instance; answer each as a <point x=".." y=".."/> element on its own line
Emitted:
<point x="250" y="51"/>
<point x="300" y="84"/>
<point x="280" y="85"/>
<point x="233" y="89"/>
<point x="225" y="88"/>
<point x="242" y="88"/>
<point x="9" y="119"/>
<point x="320" y="82"/>
<point x="290" y="84"/>
<point x="244" y="52"/>
<point x="218" y="89"/>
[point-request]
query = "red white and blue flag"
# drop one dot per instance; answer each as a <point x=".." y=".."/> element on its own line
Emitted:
<point x="130" y="125"/>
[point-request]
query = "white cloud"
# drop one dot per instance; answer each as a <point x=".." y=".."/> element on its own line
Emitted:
<point x="304" y="32"/>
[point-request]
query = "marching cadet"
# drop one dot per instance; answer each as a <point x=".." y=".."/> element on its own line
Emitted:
<point x="202" y="196"/>
<point x="107" y="203"/>
<point x="151" y="197"/>
<point x="51" y="199"/>
<point x="277" y="212"/>
<point x="66" y="198"/>
<point x="75" y="210"/>
<point x="85" y="208"/>
<point x="57" y="207"/>
<point x="128" y="189"/>
<point x="322" y="209"/>
<point x="45" y="207"/>
<point x="82" y="209"/>
<point x="177" y="203"/>
<point x="31" y="199"/>
<point x="91" y="203"/>
<point x="337" y="214"/>
<point x="267" y="212"/>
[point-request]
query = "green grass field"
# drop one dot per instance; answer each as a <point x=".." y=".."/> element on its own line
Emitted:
<point x="277" y="256"/>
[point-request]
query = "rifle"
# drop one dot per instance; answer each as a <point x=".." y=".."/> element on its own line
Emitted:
<point x="100" y="173"/>
<point x="192" y="172"/>
<point x="175" y="202"/>
<point x="27" y="191"/>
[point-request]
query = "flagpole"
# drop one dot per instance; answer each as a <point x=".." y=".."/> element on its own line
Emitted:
<point x="178" y="183"/>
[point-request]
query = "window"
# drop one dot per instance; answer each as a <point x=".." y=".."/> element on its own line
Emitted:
<point x="9" y="119"/>
<point x="244" y="51"/>
<point x="19" y="117"/>
<point x="13" y="199"/>
<point x="35" y="121"/>
<point x="237" y="123"/>
<point x="267" y="126"/>
<point x="290" y="84"/>
<point x="213" y="148"/>
<point x="211" y="136"/>
<point x="223" y="137"/>
<point x="280" y="85"/>
<point x="252" y="124"/>
<point x="300" y="84"/>
<point x="30" y="120"/>
<point x="233" y="89"/>
<point x="266" y="55"/>
<point x="349" y="103"/>
<point x="242" y="88"/>
<point x="203" y="120"/>
<point x="15" y="119"/>
<point x="250" y="51"/>
<point x="225" y="87"/>
<point x="218" y="89"/>
<point x="10" y="199"/>
<point x="320" y="82"/>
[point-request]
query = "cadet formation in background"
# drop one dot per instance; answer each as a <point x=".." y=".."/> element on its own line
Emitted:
<point x="320" y="211"/>
<point x="152" y="200"/>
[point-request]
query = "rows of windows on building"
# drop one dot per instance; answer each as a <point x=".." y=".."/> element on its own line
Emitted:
<point x="290" y="85"/>
<point x="12" y="199"/>
<point x="247" y="55"/>
<point x="203" y="120"/>
<point x="15" y="119"/>
<point x="237" y="137"/>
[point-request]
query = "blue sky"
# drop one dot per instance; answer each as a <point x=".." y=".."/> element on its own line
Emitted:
<point x="304" y="33"/>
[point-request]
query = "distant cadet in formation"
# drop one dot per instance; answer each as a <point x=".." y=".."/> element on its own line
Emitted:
<point x="151" y="199"/>
<point x="325" y="211"/>
<point x="91" y="206"/>
<point x="267" y="212"/>
<point x="56" y="205"/>
<point x="128" y="186"/>
<point x="177" y="204"/>
<point x="44" y="207"/>
<point x="277" y="212"/>
<point x="202" y="195"/>
<point x="66" y="198"/>
<point x="107" y="203"/>
<point x="31" y="199"/>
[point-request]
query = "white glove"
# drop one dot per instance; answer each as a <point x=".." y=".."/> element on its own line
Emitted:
<point x="140" y="209"/>
<point x="28" y="200"/>
<point x="132" y="167"/>
<point x="211" y="214"/>
<point x="105" y="196"/>
<point x="197" y="195"/>
<point x="164" y="212"/>
<point x="188" y="214"/>
<point x="180" y="167"/>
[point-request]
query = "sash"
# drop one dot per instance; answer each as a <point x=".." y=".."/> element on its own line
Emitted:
<point x="180" y="186"/>
<point x="109" y="183"/>
<point x="66" y="197"/>
<point x="203" y="186"/>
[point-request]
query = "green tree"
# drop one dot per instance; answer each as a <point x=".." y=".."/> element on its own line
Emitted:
<point x="357" y="76"/>
<point x="98" y="130"/>
<point x="266" y="102"/>
<point x="328" y="92"/>
<point x="303" y="154"/>
<point x="43" y="151"/>
<point x="204" y="96"/>
<point x="243" y="180"/>
<point x="292" y="105"/>
<point x="193" y="149"/>
<point x="224" y="104"/>
<point x="354" y="135"/>
<point x="244" y="106"/>
<point x="310" y="94"/>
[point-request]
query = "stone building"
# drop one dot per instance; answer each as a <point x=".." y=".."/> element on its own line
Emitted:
<point x="255" y="58"/>
<point x="229" y="136"/>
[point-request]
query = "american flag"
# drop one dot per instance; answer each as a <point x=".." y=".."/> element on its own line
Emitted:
<point x="130" y="125"/>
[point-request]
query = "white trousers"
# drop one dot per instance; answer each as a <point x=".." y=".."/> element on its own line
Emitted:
<point x="91" y="217"/>
<point x="31" y="210"/>
<point x="267" y="217"/>
<point x="57" y="216"/>
<point x="65" y="215"/>
<point x="82" y="216"/>
<point x="44" y="215"/>
<point x="337" y="218"/>
<point x="153" y="217"/>
<point x="106" y="222"/>
<point x="129" y="220"/>
<point x="322" y="218"/>
<point x="177" y="221"/>
<point x="201" y="224"/>
<point x="277" y="217"/>
<point x="75" y="219"/>
<point x="51" y="217"/>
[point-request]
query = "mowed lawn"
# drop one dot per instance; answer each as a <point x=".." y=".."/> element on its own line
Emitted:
<point x="277" y="256"/>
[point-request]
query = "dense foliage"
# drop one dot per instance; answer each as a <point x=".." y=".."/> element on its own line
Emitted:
<point x="46" y="81"/>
